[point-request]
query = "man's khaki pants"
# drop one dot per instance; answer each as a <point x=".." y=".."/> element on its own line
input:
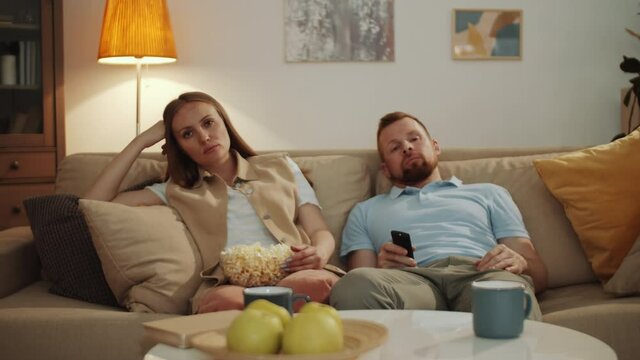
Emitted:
<point x="442" y="285"/>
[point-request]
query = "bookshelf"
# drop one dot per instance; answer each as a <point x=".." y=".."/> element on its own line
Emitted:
<point x="31" y="103"/>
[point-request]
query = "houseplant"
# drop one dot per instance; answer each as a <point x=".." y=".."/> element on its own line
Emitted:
<point x="631" y="65"/>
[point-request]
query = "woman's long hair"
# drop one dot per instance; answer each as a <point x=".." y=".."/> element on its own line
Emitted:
<point x="181" y="168"/>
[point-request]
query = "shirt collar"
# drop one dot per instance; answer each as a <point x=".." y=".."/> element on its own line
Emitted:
<point x="397" y="191"/>
<point x="245" y="170"/>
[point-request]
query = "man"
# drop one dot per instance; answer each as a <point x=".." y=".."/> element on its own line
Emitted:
<point x="460" y="233"/>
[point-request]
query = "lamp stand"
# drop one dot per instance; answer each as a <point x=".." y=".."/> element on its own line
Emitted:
<point x="138" y="78"/>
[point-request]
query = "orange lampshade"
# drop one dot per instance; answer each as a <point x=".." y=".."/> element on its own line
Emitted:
<point x="136" y="31"/>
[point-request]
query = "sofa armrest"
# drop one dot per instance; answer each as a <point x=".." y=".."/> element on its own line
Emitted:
<point x="19" y="262"/>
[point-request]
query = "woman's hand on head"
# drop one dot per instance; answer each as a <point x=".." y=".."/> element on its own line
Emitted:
<point x="152" y="135"/>
<point x="304" y="257"/>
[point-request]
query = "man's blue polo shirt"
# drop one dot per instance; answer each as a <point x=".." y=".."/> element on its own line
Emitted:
<point x="444" y="218"/>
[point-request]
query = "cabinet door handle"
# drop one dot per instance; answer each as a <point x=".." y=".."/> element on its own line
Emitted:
<point x="15" y="165"/>
<point x="16" y="209"/>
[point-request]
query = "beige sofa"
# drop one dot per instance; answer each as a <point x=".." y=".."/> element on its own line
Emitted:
<point x="37" y="324"/>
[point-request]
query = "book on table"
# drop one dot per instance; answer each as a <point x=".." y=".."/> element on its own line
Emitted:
<point x="178" y="331"/>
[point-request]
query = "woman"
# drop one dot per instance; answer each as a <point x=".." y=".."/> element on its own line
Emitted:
<point x="217" y="183"/>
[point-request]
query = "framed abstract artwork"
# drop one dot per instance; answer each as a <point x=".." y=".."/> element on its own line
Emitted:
<point x="338" y="30"/>
<point x="487" y="34"/>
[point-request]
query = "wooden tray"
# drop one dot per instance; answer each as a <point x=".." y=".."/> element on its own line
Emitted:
<point x="360" y="336"/>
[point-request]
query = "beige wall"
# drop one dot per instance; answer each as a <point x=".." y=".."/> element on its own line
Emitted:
<point x="565" y="90"/>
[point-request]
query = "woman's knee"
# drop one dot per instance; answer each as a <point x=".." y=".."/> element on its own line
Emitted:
<point x="315" y="283"/>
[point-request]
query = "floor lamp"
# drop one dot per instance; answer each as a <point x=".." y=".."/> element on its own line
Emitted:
<point x="136" y="32"/>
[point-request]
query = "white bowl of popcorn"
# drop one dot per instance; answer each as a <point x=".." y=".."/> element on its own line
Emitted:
<point x="255" y="265"/>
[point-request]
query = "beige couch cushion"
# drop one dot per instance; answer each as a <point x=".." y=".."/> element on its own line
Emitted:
<point x="588" y="309"/>
<point x="544" y="218"/>
<point x="340" y="182"/>
<point x="148" y="257"/>
<point x="36" y="324"/>
<point x="19" y="263"/>
<point x="626" y="280"/>
<point x="77" y="172"/>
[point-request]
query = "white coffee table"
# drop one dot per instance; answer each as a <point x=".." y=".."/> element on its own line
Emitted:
<point x="423" y="334"/>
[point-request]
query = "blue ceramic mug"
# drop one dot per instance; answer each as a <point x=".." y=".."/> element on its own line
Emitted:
<point x="499" y="308"/>
<point x="278" y="295"/>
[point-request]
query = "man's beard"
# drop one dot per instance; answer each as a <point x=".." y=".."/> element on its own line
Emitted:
<point x="417" y="172"/>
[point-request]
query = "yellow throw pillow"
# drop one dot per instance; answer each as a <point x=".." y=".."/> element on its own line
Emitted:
<point x="599" y="189"/>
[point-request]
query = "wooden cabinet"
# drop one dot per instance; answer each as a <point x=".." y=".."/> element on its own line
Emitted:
<point x="31" y="103"/>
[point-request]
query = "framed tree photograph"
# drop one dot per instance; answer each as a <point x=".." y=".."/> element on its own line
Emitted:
<point x="486" y="34"/>
<point x="338" y="30"/>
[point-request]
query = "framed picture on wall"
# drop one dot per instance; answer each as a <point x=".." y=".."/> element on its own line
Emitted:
<point x="487" y="34"/>
<point x="338" y="30"/>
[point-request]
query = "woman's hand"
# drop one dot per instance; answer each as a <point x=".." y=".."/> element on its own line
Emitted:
<point x="392" y="256"/>
<point x="317" y="254"/>
<point x="305" y="257"/>
<point x="107" y="185"/>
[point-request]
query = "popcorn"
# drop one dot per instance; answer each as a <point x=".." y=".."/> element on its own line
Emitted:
<point x="255" y="265"/>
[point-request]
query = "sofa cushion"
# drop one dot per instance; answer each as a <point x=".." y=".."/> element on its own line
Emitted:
<point x="544" y="218"/>
<point x="340" y="182"/>
<point x="148" y="257"/>
<point x="36" y="324"/>
<point x="586" y="308"/>
<point x="626" y="280"/>
<point x="77" y="172"/>
<point x="599" y="190"/>
<point x="64" y="246"/>
<point x="579" y="296"/>
<point x="19" y="263"/>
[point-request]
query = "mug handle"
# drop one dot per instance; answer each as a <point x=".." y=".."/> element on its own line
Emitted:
<point x="296" y="297"/>
<point x="527" y="309"/>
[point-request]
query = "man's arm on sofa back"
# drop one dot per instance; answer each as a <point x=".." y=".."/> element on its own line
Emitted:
<point x="19" y="263"/>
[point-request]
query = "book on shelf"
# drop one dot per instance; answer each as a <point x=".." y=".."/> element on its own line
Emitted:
<point x="34" y="62"/>
<point x="27" y="62"/>
<point x="28" y="69"/>
<point x="6" y="19"/>
<point x="38" y="69"/>
<point x="22" y="51"/>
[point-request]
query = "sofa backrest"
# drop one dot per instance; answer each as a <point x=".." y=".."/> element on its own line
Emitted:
<point x="77" y="172"/>
<point x="342" y="178"/>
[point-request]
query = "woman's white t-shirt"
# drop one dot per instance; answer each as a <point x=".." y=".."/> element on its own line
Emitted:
<point x="244" y="227"/>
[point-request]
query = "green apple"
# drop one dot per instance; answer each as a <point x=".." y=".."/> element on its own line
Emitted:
<point x="255" y="332"/>
<point x="312" y="333"/>
<point x="314" y="306"/>
<point x="268" y="306"/>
